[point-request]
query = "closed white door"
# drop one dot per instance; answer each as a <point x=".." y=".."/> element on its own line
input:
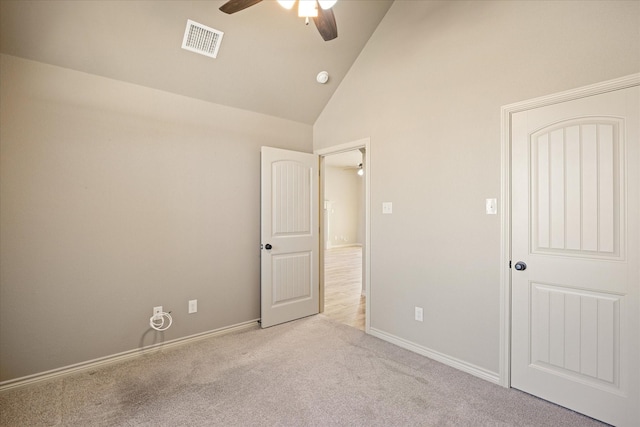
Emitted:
<point x="575" y="224"/>
<point x="289" y="233"/>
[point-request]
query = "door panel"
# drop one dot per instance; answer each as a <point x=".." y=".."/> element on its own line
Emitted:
<point x="575" y="222"/>
<point x="289" y="225"/>
<point x="575" y="334"/>
<point x="576" y="178"/>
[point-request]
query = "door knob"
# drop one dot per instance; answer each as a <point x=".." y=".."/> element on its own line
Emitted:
<point x="520" y="266"/>
<point x="268" y="246"/>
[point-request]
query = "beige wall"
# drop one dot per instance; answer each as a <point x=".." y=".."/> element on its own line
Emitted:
<point x="428" y="89"/>
<point x="116" y="198"/>
<point x="343" y="189"/>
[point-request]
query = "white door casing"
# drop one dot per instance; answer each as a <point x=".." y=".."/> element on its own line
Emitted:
<point x="575" y="222"/>
<point x="289" y="235"/>
<point x="365" y="146"/>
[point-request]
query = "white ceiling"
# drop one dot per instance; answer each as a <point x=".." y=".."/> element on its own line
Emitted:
<point x="267" y="63"/>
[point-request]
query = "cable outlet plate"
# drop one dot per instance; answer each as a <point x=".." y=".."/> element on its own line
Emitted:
<point x="157" y="312"/>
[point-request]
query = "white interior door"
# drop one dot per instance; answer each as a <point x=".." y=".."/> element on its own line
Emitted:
<point x="289" y="233"/>
<point x="575" y="223"/>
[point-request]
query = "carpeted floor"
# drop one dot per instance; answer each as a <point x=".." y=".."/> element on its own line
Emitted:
<point x="311" y="372"/>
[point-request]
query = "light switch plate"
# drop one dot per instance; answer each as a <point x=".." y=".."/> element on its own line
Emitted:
<point x="193" y="306"/>
<point x="387" y="207"/>
<point x="491" y="206"/>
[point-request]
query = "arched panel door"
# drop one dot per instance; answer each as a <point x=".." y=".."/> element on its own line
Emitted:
<point x="289" y="233"/>
<point x="576" y="226"/>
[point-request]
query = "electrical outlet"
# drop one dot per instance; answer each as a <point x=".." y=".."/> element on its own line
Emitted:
<point x="193" y="306"/>
<point x="157" y="312"/>
<point x="418" y="314"/>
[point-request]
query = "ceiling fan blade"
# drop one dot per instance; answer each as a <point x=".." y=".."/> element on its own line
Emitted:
<point x="233" y="6"/>
<point x="326" y="24"/>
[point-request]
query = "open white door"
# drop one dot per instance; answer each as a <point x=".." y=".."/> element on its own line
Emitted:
<point x="576" y="226"/>
<point x="289" y="234"/>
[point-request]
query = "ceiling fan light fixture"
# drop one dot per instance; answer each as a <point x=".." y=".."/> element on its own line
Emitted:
<point x="307" y="8"/>
<point x="327" y="4"/>
<point x="324" y="19"/>
<point x="287" y="4"/>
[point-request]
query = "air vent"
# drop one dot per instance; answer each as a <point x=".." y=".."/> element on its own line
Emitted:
<point x="201" y="39"/>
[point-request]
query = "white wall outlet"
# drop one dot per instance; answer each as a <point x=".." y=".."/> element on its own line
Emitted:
<point x="157" y="312"/>
<point x="387" y="207"/>
<point x="418" y="314"/>
<point x="193" y="306"/>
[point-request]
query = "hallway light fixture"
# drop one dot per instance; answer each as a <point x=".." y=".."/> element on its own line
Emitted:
<point x="360" y="170"/>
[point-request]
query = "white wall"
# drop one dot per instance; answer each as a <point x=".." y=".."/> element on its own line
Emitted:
<point x="427" y="90"/>
<point x="116" y="198"/>
<point x="344" y="190"/>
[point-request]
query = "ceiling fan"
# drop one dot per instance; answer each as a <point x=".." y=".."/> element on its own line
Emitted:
<point x="319" y="10"/>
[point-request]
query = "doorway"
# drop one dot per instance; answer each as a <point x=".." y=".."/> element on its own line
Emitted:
<point x="344" y="220"/>
<point x="343" y="208"/>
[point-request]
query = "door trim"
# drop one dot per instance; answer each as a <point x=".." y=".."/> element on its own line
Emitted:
<point x="505" y="207"/>
<point x="366" y="246"/>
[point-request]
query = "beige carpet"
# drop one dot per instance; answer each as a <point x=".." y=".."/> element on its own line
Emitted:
<point x="311" y="372"/>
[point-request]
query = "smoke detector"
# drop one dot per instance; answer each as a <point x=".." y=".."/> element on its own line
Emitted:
<point x="201" y="39"/>
<point x="322" y="77"/>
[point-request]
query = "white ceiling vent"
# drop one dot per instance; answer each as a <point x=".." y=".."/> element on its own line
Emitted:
<point x="201" y="39"/>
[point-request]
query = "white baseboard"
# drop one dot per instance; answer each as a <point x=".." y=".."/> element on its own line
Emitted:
<point x="119" y="357"/>
<point x="469" y="368"/>
<point x="346" y="245"/>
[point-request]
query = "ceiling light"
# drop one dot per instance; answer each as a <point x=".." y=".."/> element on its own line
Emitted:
<point x="307" y="8"/>
<point x="287" y="4"/>
<point x="327" y="4"/>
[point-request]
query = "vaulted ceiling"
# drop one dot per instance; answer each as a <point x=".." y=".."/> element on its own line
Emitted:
<point x="267" y="62"/>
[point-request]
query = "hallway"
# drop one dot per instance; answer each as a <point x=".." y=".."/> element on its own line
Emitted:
<point x="344" y="301"/>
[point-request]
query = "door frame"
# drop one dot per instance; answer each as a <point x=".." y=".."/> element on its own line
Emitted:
<point x="365" y="144"/>
<point x="505" y="207"/>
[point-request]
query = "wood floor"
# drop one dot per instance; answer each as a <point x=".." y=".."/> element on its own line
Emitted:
<point x="343" y="297"/>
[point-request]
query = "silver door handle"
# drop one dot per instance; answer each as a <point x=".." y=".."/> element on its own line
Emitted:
<point x="520" y="266"/>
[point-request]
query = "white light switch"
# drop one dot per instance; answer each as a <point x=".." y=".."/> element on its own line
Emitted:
<point x="387" y="207"/>
<point x="491" y="206"/>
